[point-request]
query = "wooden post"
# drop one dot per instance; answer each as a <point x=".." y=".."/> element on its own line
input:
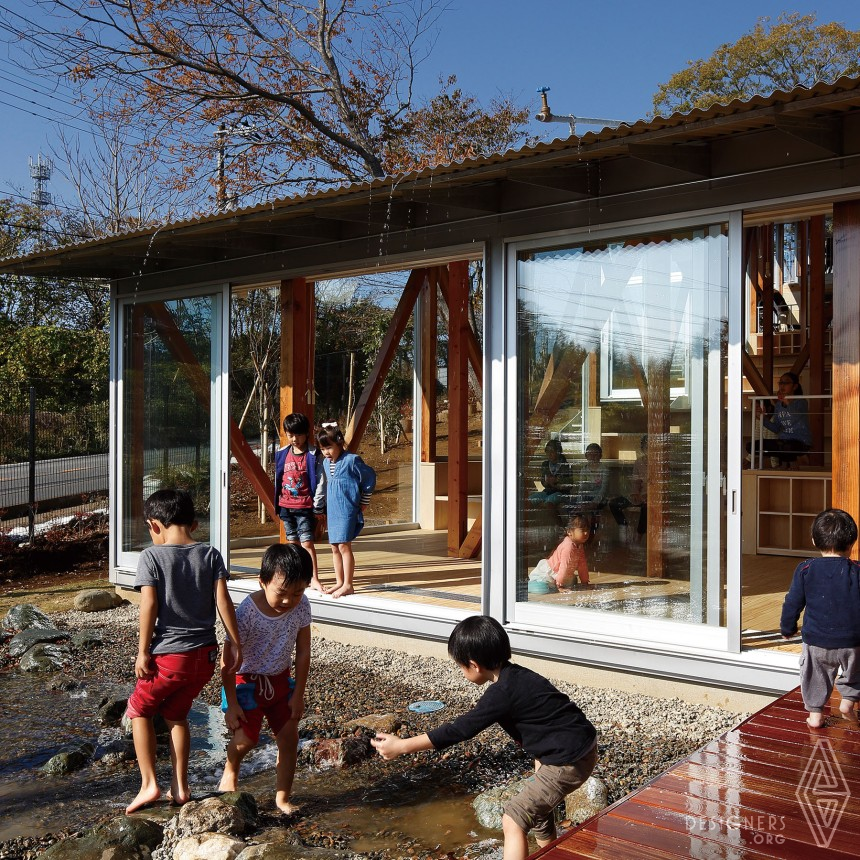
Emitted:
<point x="429" y="337"/>
<point x="458" y="402"/>
<point x="846" y="358"/>
<point x="298" y="329"/>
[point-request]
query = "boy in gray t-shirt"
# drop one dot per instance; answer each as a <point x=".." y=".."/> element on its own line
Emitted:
<point x="181" y="583"/>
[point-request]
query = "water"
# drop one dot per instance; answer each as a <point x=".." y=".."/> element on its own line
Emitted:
<point x="371" y="815"/>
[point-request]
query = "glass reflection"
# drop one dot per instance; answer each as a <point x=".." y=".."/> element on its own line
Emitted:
<point x="621" y="349"/>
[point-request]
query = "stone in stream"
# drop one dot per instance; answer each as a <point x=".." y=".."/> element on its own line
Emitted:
<point x="123" y="838"/>
<point x="112" y="709"/>
<point x="97" y="600"/>
<point x="69" y="761"/>
<point x="580" y="805"/>
<point x="44" y="657"/>
<point x="388" y="723"/>
<point x="22" y="642"/>
<point x="25" y="615"/>
<point x="587" y="800"/>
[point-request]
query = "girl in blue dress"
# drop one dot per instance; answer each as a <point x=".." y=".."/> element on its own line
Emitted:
<point x="343" y="494"/>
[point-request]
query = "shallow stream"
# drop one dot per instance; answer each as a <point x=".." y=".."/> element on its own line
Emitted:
<point x="370" y="816"/>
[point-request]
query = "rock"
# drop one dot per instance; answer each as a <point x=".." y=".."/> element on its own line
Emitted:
<point x="69" y="761"/>
<point x="111" y="710"/>
<point x="213" y="815"/>
<point x="123" y="838"/>
<point x="24" y="616"/>
<point x="339" y="752"/>
<point x="374" y="723"/>
<point x="22" y="642"/>
<point x="313" y="727"/>
<point x="96" y="600"/>
<point x="114" y="752"/>
<point x="245" y="802"/>
<point x="489" y="806"/>
<point x="586" y="801"/>
<point x="86" y="640"/>
<point x="162" y="730"/>
<point x="44" y="657"/>
<point x="292" y="851"/>
<point x="208" y="846"/>
<point x="130" y="832"/>
<point x="62" y="683"/>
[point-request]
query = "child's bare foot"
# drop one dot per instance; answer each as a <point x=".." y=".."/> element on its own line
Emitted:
<point x="144" y="797"/>
<point x="316" y="585"/>
<point x="285" y="806"/>
<point x="345" y="589"/>
<point x="178" y="798"/>
<point x="846" y="708"/>
<point x="815" y="721"/>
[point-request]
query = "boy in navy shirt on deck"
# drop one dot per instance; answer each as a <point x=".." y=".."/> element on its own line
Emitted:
<point x="540" y="718"/>
<point x="827" y="591"/>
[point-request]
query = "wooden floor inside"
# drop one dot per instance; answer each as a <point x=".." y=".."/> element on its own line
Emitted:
<point x="408" y="565"/>
<point x="770" y="788"/>
<point x="413" y="565"/>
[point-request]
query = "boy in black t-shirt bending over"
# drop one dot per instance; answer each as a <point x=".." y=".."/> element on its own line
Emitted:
<point x="540" y="718"/>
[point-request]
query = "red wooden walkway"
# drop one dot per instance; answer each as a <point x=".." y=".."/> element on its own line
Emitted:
<point x="770" y="788"/>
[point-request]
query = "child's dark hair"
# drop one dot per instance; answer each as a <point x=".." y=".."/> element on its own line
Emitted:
<point x="834" y="530"/>
<point x="297" y="423"/>
<point x="290" y="560"/>
<point x="481" y="639"/>
<point x="170" y="508"/>
<point x="594" y="447"/>
<point x="795" y="379"/>
<point x="578" y="521"/>
<point x="329" y="436"/>
<point x="553" y="445"/>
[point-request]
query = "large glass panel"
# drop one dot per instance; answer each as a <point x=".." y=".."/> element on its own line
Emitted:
<point x="353" y="317"/>
<point x="167" y="367"/>
<point x="621" y="373"/>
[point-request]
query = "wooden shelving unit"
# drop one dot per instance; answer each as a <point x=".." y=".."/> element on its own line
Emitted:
<point x="787" y="505"/>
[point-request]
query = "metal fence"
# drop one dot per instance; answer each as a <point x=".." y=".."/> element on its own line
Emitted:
<point x="53" y="455"/>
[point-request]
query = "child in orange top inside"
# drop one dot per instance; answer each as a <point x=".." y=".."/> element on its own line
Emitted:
<point x="568" y="558"/>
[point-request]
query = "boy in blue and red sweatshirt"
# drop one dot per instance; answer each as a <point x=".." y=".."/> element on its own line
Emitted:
<point x="297" y="470"/>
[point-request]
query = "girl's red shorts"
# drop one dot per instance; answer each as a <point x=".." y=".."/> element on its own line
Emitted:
<point x="177" y="681"/>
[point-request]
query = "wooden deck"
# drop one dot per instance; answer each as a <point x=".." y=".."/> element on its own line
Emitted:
<point x="770" y="788"/>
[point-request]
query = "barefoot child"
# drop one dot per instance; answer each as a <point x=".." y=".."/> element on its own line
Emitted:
<point x="180" y="583"/>
<point x="344" y="491"/>
<point x="827" y="591"/>
<point x="272" y="621"/>
<point x="545" y="722"/>
<point x="297" y="471"/>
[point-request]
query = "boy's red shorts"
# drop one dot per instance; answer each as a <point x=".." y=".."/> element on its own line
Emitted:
<point x="273" y="703"/>
<point x="172" y="689"/>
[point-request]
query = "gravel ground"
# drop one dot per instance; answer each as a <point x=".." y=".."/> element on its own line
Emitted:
<point x="639" y="736"/>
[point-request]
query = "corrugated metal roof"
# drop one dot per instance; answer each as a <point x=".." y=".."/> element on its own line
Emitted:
<point x="696" y="126"/>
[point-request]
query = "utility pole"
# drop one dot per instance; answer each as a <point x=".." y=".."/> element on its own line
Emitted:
<point x="244" y="130"/>
<point x="40" y="172"/>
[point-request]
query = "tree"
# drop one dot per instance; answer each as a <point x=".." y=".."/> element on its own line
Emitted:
<point x="326" y="86"/>
<point x="72" y="303"/>
<point x="793" y="52"/>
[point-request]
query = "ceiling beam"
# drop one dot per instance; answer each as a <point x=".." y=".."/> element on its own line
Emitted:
<point x="691" y="158"/>
<point x="823" y="132"/>
<point x="576" y="180"/>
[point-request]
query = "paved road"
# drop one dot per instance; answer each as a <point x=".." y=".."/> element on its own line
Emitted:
<point x="69" y="476"/>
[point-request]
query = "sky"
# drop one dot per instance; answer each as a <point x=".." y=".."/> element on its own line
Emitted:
<point x="603" y="60"/>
